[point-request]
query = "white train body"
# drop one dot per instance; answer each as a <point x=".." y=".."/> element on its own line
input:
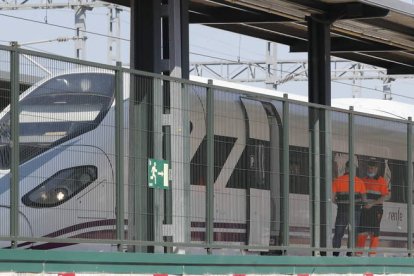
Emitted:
<point x="245" y="212"/>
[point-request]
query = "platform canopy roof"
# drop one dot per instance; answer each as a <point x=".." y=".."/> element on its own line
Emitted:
<point x="376" y="32"/>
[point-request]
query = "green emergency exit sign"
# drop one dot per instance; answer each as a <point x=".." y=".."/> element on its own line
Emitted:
<point x="158" y="174"/>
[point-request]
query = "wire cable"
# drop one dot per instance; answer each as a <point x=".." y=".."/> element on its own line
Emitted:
<point x="283" y="71"/>
<point x="61" y="26"/>
<point x="194" y="53"/>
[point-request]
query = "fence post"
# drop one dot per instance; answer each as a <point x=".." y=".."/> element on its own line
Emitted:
<point x="351" y="141"/>
<point x="286" y="172"/>
<point x="210" y="168"/>
<point x="14" y="144"/>
<point x="185" y="104"/>
<point x="409" y="186"/>
<point x="328" y="175"/>
<point x="119" y="154"/>
<point x="158" y="194"/>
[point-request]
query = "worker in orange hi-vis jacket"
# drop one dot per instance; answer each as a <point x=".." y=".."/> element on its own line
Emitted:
<point x="377" y="192"/>
<point x="341" y="197"/>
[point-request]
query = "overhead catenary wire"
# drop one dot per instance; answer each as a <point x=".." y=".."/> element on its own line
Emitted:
<point x="193" y="53"/>
<point x="61" y="26"/>
<point x="334" y="81"/>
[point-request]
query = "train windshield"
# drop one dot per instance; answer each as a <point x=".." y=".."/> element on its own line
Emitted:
<point x="58" y="110"/>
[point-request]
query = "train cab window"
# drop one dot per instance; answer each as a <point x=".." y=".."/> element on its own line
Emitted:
<point x="57" y="110"/>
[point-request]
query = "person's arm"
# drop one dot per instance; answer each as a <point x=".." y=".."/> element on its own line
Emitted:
<point x="382" y="198"/>
<point x="364" y="199"/>
<point x="376" y="202"/>
<point x="333" y="196"/>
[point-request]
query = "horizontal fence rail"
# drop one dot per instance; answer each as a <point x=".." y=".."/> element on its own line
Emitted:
<point x="106" y="158"/>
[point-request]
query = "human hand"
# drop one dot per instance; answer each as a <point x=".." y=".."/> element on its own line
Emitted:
<point x="368" y="205"/>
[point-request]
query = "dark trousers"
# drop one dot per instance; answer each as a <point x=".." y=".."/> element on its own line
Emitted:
<point x="341" y="222"/>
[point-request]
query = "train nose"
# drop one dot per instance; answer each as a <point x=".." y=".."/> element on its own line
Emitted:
<point x="22" y="222"/>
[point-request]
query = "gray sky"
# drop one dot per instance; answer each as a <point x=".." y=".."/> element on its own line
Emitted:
<point x="30" y="26"/>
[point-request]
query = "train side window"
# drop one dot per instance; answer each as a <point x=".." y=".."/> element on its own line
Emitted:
<point x="253" y="168"/>
<point x="222" y="148"/>
<point x="299" y="170"/>
<point x="398" y="182"/>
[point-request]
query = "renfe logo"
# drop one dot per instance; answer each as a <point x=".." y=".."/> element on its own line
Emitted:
<point x="395" y="216"/>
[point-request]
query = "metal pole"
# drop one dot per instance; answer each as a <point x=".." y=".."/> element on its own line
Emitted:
<point x="351" y="179"/>
<point x="328" y="176"/>
<point x="158" y="194"/>
<point x="315" y="178"/>
<point x="409" y="186"/>
<point x="186" y="160"/>
<point x="80" y="25"/>
<point x="319" y="58"/>
<point x="286" y="171"/>
<point x="316" y="175"/>
<point x="210" y="168"/>
<point x="14" y="167"/>
<point x="119" y="154"/>
<point x="168" y="200"/>
<point x="139" y="194"/>
<point x="114" y="30"/>
<point x="310" y="179"/>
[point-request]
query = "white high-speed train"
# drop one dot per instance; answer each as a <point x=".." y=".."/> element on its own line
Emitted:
<point x="67" y="162"/>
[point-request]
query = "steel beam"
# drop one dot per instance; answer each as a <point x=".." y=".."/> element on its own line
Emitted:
<point x="319" y="92"/>
<point x="224" y="15"/>
<point x="319" y="61"/>
<point x="341" y="44"/>
<point x="146" y="56"/>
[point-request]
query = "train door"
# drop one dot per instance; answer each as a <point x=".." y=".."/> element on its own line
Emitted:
<point x="275" y="184"/>
<point x="262" y="167"/>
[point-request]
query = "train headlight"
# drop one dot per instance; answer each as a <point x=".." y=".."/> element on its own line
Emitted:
<point x="60" y="187"/>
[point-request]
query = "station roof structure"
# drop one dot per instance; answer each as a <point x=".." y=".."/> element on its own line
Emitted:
<point x="376" y="32"/>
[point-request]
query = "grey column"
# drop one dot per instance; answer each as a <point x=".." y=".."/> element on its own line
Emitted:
<point x="159" y="44"/>
<point x="146" y="56"/>
<point x="319" y="91"/>
<point x="319" y="60"/>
